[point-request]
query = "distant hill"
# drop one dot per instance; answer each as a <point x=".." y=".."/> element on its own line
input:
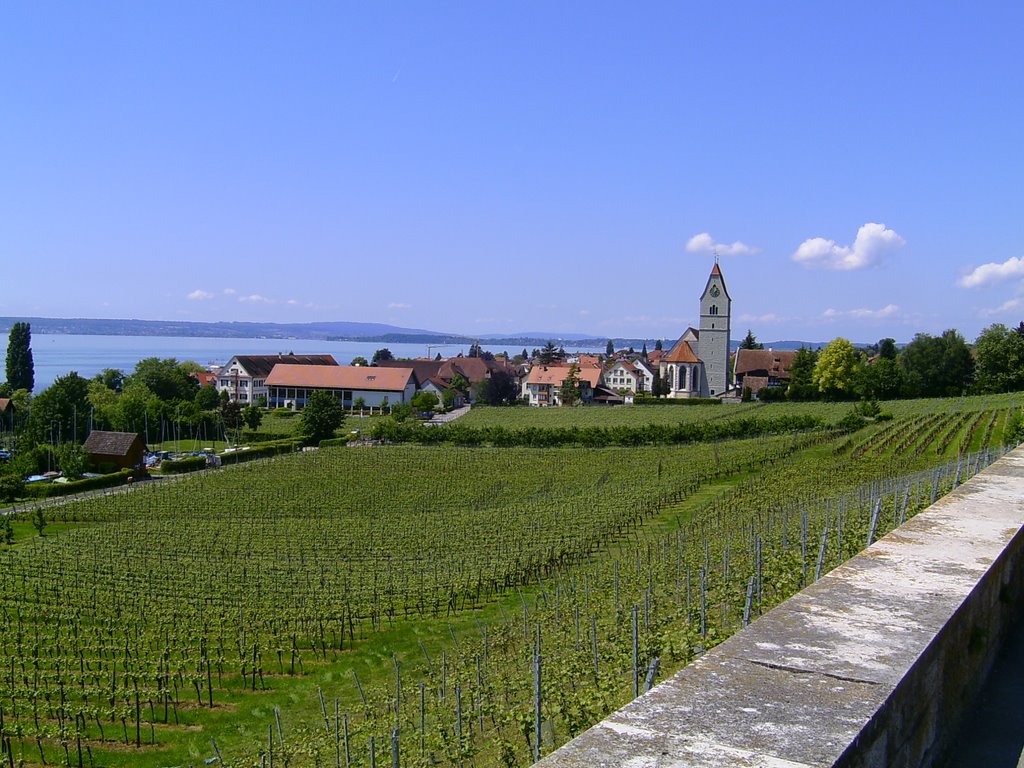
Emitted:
<point x="341" y="331"/>
<point x="229" y="330"/>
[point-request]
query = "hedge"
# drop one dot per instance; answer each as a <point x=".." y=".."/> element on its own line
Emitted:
<point x="180" y="466"/>
<point x="595" y="437"/>
<point x="261" y="451"/>
<point x="46" y="490"/>
<point x="648" y="400"/>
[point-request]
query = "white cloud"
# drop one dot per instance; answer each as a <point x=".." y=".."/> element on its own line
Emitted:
<point x="399" y="305"/>
<point x="705" y="243"/>
<point x="230" y="291"/>
<point x="990" y="273"/>
<point x="584" y="312"/>
<point x="255" y="298"/>
<point x="861" y="314"/>
<point x="874" y="242"/>
<point x="292" y="302"/>
<point x="771" y="317"/>
<point x="198" y="295"/>
<point x="1006" y="306"/>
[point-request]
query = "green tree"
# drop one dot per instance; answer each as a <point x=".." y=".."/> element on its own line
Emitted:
<point x="359" y="360"/>
<point x="836" y="370"/>
<point x="548" y="354"/>
<point x="252" y="416"/>
<point x="424" y="401"/>
<point x="166" y="378"/>
<point x="881" y="380"/>
<point x="382" y="356"/>
<point x="20" y="368"/>
<point x="801" y="375"/>
<point x="501" y="388"/>
<point x="231" y="416"/>
<point x="609" y="348"/>
<point x="448" y="398"/>
<point x="569" y="392"/>
<point x="658" y="345"/>
<point x="207" y="398"/>
<point x="321" y="418"/>
<point x="750" y="341"/>
<point x="887" y="349"/>
<point x="60" y="413"/>
<point x="474" y="350"/>
<point x="999" y="355"/>
<point x="111" y="378"/>
<point x="937" y="366"/>
<point x="71" y="459"/>
<point x="643" y="352"/>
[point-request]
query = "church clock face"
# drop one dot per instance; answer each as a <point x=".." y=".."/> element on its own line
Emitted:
<point x="714" y="291"/>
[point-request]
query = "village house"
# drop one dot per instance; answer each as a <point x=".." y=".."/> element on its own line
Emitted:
<point x="473" y="369"/>
<point x="544" y="383"/>
<point x="760" y="368"/>
<point x="244" y="377"/>
<point x="289" y="385"/>
<point x="632" y="376"/>
<point x="120" y="450"/>
<point x="624" y="376"/>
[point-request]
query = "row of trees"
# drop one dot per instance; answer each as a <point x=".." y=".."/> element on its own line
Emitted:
<point x="929" y="366"/>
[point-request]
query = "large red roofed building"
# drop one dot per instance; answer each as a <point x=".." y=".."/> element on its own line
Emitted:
<point x="760" y="368"/>
<point x="291" y="385"/>
<point x="244" y="377"/>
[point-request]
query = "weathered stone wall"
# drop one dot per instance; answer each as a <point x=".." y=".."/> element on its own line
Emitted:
<point x="873" y="665"/>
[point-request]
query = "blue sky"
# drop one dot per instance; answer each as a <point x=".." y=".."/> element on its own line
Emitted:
<point x="482" y="167"/>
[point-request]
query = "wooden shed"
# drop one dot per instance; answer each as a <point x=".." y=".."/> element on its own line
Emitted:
<point x="121" y="449"/>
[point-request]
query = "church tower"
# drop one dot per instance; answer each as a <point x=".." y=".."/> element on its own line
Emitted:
<point x="715" y="309"/>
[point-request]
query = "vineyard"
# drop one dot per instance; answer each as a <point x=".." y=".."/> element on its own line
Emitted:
<point x="436" y="605"/>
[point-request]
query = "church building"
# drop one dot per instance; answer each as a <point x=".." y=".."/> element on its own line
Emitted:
<point x="698" y="364"/>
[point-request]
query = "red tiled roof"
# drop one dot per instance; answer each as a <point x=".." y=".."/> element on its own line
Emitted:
<point x="682" y="352"/>
<point x="340" y="377"/>
<point x="205" y="377"/>
<point x="764" y="362"/>
<point x="259" y="366"/>
<point x="555" y="375"/>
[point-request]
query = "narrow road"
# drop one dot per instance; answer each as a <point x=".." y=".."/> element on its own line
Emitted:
<point x="444" y="418"/>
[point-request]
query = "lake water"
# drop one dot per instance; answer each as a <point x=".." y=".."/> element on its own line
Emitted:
<point x="58" y="354"/>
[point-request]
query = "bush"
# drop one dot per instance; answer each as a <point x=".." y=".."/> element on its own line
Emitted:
<point x="1014" y="429"/>
<point x="11" y="487"/>
<point x="771" y="394"/>
<point x="645" y="399"/>
<point x="261" y="451"/>
<point x="47" y="490"/>
<point x="180" y="466"/>
<point x="851" y="422"/>
<point x="535" y="437"/>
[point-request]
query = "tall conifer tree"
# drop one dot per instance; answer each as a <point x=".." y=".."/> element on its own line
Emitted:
<point x="20" y="368"/>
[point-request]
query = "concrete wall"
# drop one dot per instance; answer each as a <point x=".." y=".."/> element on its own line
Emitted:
<point x="871" y="666"/>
